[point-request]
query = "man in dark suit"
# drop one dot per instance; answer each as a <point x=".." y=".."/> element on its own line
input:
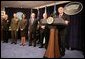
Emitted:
<point x="32" y="29"/>
<point x="44" y="32"/>
<point x="5" y="27"/>
<point x="63" y="32"/>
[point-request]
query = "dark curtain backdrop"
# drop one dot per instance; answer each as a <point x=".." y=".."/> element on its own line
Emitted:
<point x="41" y="11"/>
<point x="75" y="36"/>
<point x="50" y="10"/>
<point x="76" y="31"/>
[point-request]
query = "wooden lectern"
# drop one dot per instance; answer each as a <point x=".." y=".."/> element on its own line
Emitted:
<point x="53" y="50"/>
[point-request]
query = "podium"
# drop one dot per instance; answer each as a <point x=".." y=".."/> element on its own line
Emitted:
<point x="53" y="50"/>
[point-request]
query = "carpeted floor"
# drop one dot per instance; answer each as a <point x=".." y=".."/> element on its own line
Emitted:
<point x="9" y="50"/>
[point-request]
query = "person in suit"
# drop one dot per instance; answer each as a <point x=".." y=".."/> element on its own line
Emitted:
<point x="32" y="29"/>
<point x="14" y="26"/>
<point x="38" y="32"/>
<point x="2" y="17"/>
<point x="1" y="29"/>
<point x="5" y="27"/>
<point x="22" y="25"/>
<point x="63" y="32"/>
<point x="44" y="32"/>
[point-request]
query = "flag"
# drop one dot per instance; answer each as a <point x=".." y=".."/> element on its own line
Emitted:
<point x="46" y="9"/>
<point x="54" y="8"/>
<point x="31" y="13"/>
<point x="38" y="14"/>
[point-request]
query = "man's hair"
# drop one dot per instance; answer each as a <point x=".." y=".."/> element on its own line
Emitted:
<point x="60" y="7"/>
<point x="32" y="13"/>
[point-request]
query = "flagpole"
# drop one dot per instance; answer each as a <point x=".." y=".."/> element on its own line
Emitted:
<point x="55" y="10"/>
<point x="38" y="13"/>
<point x="45" y="9"/>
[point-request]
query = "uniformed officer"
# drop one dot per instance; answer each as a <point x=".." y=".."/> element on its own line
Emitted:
<point x="14" y="28"/>
<point x="5" y="27"/>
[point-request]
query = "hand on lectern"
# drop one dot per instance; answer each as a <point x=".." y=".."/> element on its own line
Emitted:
<point x="16" y="29"/>
<point x="66" y="22"/>
<point x="21" y="29"/>
<point x="43" y="27"/>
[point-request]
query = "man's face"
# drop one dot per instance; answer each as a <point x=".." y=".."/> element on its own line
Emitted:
<point x="23" y="16"/>
<point x="44" y="15"/>
<point x="6" y="16"/>
<point x="32" y="15"/>
<point x="60" y="10"/>
<point x="3" y="13"/>
<point x="15" y="15"/>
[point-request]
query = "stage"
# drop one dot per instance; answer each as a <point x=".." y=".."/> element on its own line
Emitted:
<point x="9" y="50"/>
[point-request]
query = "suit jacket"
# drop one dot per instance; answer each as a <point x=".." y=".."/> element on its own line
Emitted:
<point x="5" y="24"/>
<point x="22" y="24"/>
<point x="14" y="25"/>
<point x="65" y="17"/>
<point x="46" y="26"/>
<point x="33" y="26"/>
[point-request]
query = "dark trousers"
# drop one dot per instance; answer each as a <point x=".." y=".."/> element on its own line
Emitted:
<point x="62" y="40"/>
<point x="44" y="33"/>
<point x="38" y="36"/>
<point x="5" y="36"/>
<point x="67" y="38"/>
<point x="14" y="36"/>
<point x="1" y="34"/>
<point x="32" y="38"/>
